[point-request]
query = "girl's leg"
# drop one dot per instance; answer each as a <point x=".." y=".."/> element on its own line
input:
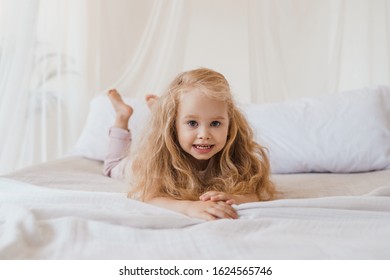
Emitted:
<point x="122" y="110"/>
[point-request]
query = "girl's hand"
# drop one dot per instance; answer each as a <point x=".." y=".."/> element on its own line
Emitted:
<point x="218" y="196"/>
<point x="211" y="210"/>
<point x="206" y="210"/>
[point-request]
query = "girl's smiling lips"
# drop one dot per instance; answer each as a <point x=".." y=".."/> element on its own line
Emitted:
<point x="203" y="149"/>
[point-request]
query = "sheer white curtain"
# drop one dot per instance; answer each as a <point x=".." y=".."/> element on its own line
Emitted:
<point x="160" y="52"/>
<point x="147" y="41"/>
<point x="18" y="39"/>
<point x="56" y="55"/>
<point x="41" y="80"/>
<point x="304" y="47"/>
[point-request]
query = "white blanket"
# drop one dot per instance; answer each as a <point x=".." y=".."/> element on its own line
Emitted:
<point x="41" y="223"/>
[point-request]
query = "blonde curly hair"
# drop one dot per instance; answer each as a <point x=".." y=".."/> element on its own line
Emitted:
<point x="162" y="168"/>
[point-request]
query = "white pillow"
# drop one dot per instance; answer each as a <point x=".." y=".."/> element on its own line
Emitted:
<point x="345" y="132"/>
<point x="93" y="141"/>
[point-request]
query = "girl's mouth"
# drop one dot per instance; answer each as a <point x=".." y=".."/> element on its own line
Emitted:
<point x="203" y="149"/>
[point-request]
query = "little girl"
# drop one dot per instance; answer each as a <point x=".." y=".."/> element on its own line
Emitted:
<point x="198" y="155"/>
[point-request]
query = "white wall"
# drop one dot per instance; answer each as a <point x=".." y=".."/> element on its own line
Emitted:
<point x="218" y="39"/>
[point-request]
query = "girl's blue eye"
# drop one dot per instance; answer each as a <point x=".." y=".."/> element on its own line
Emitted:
<point x="192" y="123"/>
<point x="215" y="123"/>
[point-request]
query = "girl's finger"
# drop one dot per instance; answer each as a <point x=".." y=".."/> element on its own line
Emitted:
<point x="223" y="211"/>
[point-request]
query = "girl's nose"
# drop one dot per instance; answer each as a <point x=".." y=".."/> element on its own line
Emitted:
<point x="203" y="134"/>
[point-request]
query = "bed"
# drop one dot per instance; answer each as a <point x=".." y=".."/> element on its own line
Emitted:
<point x="333" y="200"/>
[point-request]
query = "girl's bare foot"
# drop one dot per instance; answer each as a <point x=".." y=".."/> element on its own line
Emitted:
<point x="150" y="100"/>
<point x="122" y="110"/>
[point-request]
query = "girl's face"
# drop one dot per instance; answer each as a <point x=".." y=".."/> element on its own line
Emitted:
<point x="202" y="126"/>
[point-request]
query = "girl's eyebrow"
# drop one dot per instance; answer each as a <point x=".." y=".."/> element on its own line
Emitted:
<point x="195" y="116"/>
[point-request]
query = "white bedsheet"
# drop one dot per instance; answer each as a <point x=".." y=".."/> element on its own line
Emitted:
<point x="42" y="223"/>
